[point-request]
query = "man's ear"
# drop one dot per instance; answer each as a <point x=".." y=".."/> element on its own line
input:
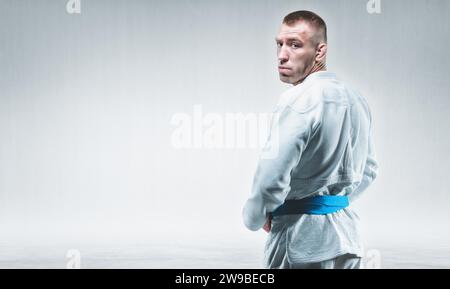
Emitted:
<point x="321" y="52"/>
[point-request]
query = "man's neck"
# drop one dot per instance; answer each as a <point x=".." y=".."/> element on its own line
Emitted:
<point x="316" y="68"/>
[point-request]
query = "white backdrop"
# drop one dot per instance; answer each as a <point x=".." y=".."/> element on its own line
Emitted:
<point x="87" y="102"/>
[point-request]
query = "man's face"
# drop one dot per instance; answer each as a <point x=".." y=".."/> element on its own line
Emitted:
<point x="296" y="52"/>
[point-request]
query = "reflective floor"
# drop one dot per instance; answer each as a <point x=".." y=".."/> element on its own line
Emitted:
<point x="207" y="255"/>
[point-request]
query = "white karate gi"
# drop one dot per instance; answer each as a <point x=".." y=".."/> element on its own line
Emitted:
<point x="323" y="136"/>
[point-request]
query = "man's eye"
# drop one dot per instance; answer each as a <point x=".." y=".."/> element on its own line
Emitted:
<point x="279" y="44"/>
<point x="295" y="45"/>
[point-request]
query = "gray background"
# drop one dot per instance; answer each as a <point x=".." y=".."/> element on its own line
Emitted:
<point x="86" y="102"/>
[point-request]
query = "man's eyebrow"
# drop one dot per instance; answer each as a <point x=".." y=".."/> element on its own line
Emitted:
<point x="291" y="39"/>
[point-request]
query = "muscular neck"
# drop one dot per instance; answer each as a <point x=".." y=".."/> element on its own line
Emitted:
<point x="318" y="66"/>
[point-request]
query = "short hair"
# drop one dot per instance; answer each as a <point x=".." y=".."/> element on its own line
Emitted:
<point x="311" y="18"/>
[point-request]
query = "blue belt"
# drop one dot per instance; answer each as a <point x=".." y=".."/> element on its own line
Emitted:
<point x="317" y="205"/>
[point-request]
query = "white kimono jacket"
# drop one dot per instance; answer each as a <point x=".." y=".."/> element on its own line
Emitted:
<point x="322" y="135"/>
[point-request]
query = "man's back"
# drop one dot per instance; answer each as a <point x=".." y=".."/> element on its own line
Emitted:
<point x="322" y="131"/>
<point x="335" y="155"/>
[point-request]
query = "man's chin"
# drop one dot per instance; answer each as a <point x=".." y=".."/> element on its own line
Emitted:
<point x="286" y="79"/>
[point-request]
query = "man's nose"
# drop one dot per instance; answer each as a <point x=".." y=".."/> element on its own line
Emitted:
<point x="282" y="55"/>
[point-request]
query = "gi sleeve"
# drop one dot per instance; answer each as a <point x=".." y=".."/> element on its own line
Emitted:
<point x="291" y="129"/>
<point x="370" y="170"/>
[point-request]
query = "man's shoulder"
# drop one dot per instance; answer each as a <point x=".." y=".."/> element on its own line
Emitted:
<point x="306" y="97"/>
<point x="309" y="95"/>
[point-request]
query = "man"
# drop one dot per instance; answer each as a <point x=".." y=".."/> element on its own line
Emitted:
<point x="325" y="158"/>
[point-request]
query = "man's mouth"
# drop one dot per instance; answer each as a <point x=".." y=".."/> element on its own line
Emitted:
<point x="283" y="69"/>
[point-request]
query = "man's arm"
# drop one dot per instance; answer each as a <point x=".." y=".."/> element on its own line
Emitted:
<point x="370" y="171"/>
<point x="271" y="183"/>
